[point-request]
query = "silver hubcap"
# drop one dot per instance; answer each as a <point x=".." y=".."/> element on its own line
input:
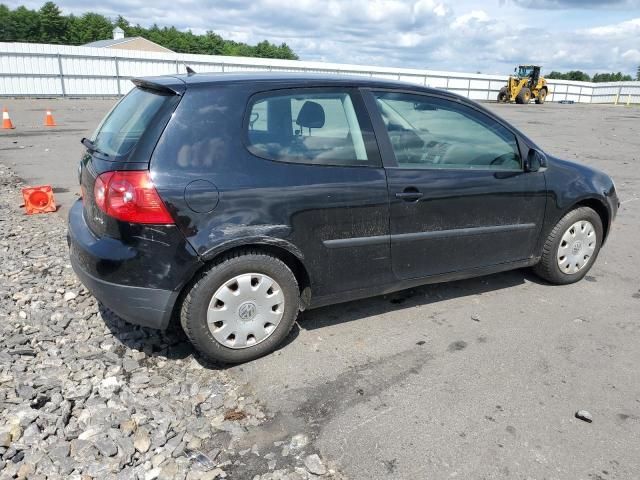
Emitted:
<point x="245" y="310"/>
<point x="576" y="247"/>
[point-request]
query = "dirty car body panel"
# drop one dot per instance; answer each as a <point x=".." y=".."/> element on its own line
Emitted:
<point x="347" y="231"/>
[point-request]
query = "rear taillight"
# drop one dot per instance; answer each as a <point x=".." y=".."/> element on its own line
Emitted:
<point x="131" y="197"/>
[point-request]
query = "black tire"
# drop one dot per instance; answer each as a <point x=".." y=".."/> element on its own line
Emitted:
<point x="524" y="96"/>
<point x="542" y="95"/>
<point x="503" y="95"/>
<point x="548" y="268"/>
<point x="193" y="315"/>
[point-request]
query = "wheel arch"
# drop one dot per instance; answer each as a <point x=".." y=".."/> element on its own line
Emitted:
<point x="599" y="207"/>
<point x="282" y="250"/>
<point x="559" y="211"/>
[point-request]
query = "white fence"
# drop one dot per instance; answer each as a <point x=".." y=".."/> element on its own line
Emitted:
<point x="28" y="69"/>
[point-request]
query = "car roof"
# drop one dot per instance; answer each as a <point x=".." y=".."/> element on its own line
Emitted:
<point x="290" y="79"/>
<point x="179" y="83"/>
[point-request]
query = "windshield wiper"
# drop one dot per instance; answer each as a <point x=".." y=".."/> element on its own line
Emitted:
<point x="92" y="146"/>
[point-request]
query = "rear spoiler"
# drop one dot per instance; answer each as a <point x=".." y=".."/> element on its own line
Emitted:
<point x="167" y="85"/>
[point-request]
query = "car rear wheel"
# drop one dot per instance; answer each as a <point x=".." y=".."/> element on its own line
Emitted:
<point x="572" y="247"/>
<point x="241" y="308"/>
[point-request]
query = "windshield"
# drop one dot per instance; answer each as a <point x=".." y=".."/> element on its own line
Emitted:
<point x="126" y="122"/>
<point x="524" y="71"/>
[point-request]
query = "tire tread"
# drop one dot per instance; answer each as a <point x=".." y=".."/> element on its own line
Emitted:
<point x="545" y="267"/>
<point x="217" y="264"/>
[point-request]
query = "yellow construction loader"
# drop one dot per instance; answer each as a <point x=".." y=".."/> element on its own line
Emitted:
<point x="524" y="84"/>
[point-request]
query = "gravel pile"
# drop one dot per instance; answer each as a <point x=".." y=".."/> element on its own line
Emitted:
<point x="85" y="395"/>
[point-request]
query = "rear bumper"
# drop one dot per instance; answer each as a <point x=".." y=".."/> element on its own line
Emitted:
<point x="139" y="280"/>
<point x="149" y="307"/>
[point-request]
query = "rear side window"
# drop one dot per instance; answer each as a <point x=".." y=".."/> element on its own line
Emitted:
<point x="123" y="126"/>
<point x="308" y="127"/>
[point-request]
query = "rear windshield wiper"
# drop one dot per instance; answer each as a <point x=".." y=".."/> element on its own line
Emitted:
<point x="92" y="146"/>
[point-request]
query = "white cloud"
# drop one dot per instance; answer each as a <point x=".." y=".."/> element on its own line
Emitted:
<point x="475" y="16"/>
<point x="576" y="4"/>
<point x="622" y="29"/>
<point x="632" y="55"/>
<point x="410" y="39"/>
<point x="491" y="36"/>
<point x="430" y="6"/>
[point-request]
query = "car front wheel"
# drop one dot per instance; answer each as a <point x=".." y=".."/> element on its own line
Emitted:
<point x="241" y="308"/>
<point x="572" y="247"/>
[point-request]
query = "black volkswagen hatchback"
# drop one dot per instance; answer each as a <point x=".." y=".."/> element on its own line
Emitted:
<point x="232" y="202"/>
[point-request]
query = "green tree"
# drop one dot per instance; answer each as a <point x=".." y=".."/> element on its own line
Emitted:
<point x="7" y="31"/>
<point x="286" y="52"/>
<point x="611" y="77"/>
<point x="555" y="75"/>
<point x="571" y="75"/>
<point x="213" y="43"/>
<point x="25" y="25"/>
<point x="578" y="75"/>
<point x="88" y="28"/>
<point x="53" y="26"/>
<point x="638" y="73"/>
<point x="49" y="25"/>
<point x="598" y="77"/>
<point x="123" y="23"/>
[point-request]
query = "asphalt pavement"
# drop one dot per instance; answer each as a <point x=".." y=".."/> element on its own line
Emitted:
<point x="472" y="379"/>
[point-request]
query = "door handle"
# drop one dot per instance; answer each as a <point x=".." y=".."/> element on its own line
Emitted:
<point x="410" y="194"/>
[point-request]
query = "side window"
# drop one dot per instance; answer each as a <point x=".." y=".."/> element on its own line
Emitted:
<point x="307" y="127"/>
<point x="428" y="132"/>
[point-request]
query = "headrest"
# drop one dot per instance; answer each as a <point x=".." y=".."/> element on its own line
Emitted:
<point x="311" y="115"/>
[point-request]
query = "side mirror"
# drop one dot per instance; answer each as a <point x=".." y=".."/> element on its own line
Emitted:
<point x="535" y="161"/>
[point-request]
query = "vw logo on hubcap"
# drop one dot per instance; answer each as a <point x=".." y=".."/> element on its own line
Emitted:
<point x="247" y="310"/>
<point x="576" y="247"/>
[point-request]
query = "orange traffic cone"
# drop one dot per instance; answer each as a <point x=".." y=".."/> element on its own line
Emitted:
<point x="38" y="199"/>
<point x="48" y="120"/>
<point x="6" y="120"/>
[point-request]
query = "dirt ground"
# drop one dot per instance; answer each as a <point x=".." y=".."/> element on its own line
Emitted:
<point x="409" y="386"/>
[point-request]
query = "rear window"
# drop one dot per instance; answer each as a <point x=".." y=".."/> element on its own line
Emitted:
<point x="123" y="126"/>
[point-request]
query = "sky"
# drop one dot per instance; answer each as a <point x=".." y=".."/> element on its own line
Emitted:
<point x="490" y="36"/>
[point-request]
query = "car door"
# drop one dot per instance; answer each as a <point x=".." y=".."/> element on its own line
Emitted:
<point x="460" y="198"/>
<point x="318" y="147"/>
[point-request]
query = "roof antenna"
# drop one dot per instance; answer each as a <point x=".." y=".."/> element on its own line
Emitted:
<point x="190" y="71"/>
